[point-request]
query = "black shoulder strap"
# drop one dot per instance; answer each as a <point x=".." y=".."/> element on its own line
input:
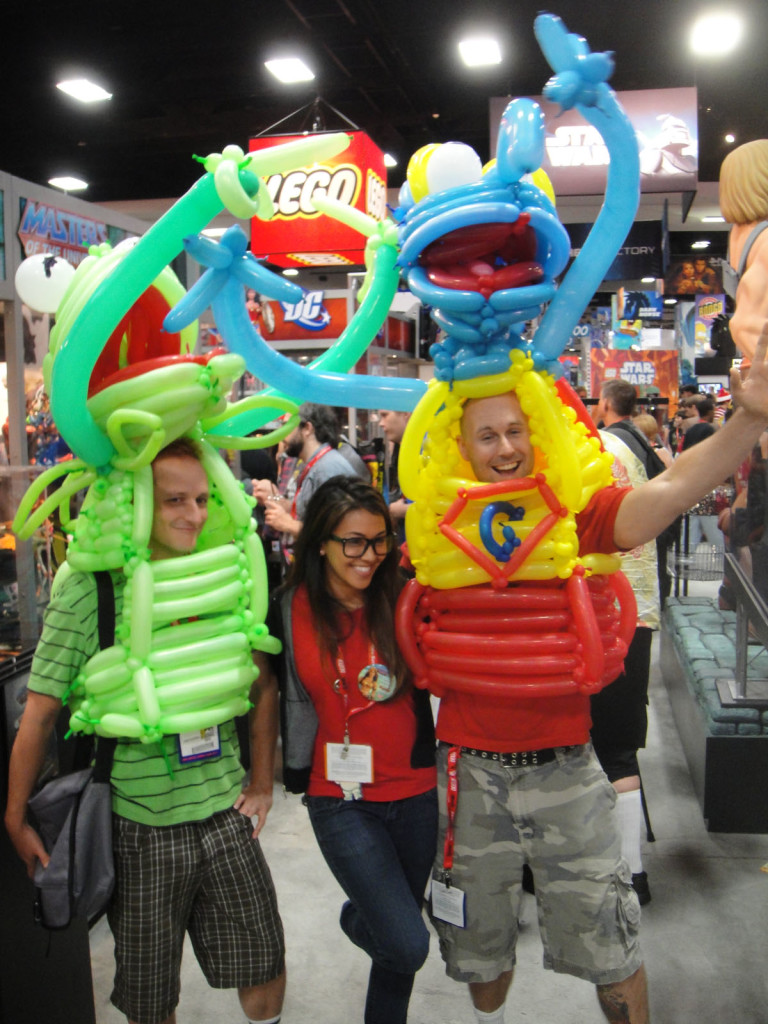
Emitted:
<point x="105" y="592"/>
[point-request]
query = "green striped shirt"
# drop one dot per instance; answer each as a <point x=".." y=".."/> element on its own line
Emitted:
<point x="150" y="785"/>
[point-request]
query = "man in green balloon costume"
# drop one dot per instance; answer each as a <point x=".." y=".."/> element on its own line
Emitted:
<point x="182" y="821"/>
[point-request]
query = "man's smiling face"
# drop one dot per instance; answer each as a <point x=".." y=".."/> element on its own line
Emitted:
<point x="495" y="439"/>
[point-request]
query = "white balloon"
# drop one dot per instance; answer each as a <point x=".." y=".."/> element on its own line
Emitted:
<point x="452" y="164"/>
<point x="41" y="281"/>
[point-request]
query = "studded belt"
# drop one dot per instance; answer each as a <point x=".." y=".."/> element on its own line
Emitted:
<point x="515" y="758"/>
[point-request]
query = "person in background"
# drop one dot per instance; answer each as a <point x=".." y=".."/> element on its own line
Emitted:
<point x="620" y="710"/>
<point x="357" y="736"/>
<point x="314" y="443"/>
<point x="393" y="426"/>
<point x="618" y="399"/>
<point x="649" y="427"/>
<point x="187" y="857"/>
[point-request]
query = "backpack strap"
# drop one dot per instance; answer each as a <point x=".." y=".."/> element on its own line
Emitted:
<point x="105" y="592"/>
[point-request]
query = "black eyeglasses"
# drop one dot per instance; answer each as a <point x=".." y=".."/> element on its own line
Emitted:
<point x="355" y="547"/>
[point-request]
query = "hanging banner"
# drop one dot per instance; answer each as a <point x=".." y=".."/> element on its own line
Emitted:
<point x="299" y="236"/>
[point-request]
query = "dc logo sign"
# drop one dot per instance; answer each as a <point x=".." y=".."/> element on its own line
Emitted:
<point x="309" y="312"/>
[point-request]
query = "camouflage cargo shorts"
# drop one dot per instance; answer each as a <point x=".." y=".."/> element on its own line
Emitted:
<point x="559" y="818"/>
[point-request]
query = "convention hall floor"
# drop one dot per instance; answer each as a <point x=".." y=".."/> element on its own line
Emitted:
<point x="705" y="932"/>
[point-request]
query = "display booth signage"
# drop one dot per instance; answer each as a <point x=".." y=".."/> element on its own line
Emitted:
<point x="648" y="369"/>
<point x="299" y="236"/>
<point x="45" y="228"/>
<point x="576" y="158"/>
<point x="640" y="255"/>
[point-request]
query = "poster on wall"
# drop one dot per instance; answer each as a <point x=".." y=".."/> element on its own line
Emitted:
<point x="693" y="275"/>
<point x="708" y="308"/>
<point x="650" y="372"/>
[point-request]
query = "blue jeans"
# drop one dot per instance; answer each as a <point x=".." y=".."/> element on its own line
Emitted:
<point x="381" y="855"/>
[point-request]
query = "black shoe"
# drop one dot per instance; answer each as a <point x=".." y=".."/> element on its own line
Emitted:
<point x="528" y="880"/>
<point x="640" y="885"/>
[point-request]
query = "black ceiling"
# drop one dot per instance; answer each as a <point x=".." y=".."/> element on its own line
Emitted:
<point x="189" y="78"/>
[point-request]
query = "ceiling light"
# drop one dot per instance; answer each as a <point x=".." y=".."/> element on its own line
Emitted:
<point x="389" y="160"/>
<point x="647" y="280"/>
<point x="290" y="69"/>
<point x="83" y="90"/>
<point x="479" y="51"/>
<point x="213" y="232"/>
<point x="670" y="302"/>
<point x="715" y="35"/>
<point x="729" y="138"/>
<point x="702" y="244"/>
<point x="713" y="220"/>
<point x="68" y="184"/>
<point x="290" y="272"/>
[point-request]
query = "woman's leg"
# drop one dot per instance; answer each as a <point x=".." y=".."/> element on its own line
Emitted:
<point x="381" y="855"/>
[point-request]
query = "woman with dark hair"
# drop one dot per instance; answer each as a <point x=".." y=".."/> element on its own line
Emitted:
<point x="357" y="736"/>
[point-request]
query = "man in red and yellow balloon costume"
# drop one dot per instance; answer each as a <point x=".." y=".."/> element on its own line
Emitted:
<point x="512" y="622"/>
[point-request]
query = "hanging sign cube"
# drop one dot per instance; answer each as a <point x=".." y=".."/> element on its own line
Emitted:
<point x="298" y="236"/>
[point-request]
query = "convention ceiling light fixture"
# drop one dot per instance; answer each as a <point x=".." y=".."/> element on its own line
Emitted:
<point x="213" y="232"/>
<point x="479" y="51"/>
<point x="713" y="220"/>
<point x="290" y="272"/>
<point x="670" y="302"/>
<point x="703" y="243"/>
<point x="83" y="90"/>
<point x="289" y="69"/>
<point x="716" y="34"/>
<point x="68" y="184"/>
<point x="389" y="160"/>
<point x="729" y="138"/>
<point x="647" y="280"/>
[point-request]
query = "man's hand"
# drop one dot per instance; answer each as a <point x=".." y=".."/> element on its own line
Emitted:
<point x="254" y="803"/>
<point x="28" y="845"/>
<point x="278" y="516"/>
<point x="263" y="490"/>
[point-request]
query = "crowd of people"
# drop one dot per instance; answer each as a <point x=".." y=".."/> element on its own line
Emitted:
<point x="401" y="804"/>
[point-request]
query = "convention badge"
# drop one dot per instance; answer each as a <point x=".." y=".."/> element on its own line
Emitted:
<point x="375" y="682"/>
<point x="448" y="903"/>
<point x="348" y="762"/>
<point x="199" y="744"/>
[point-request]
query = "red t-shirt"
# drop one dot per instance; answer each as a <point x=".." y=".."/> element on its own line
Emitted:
<point x="387" y="726"/>
<point x="532" y="723"/>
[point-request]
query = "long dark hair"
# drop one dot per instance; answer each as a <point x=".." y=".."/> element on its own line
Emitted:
<point x="325" y="510"/>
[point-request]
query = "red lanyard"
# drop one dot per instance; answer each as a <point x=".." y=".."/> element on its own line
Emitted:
<point x="340" y="686"/>
<point x="452" y="800"/>
<point x="323" y="450"/>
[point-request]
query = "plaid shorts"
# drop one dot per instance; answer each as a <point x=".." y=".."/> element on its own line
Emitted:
<point x="559" y="818"/>
<point x="206" y="877"/>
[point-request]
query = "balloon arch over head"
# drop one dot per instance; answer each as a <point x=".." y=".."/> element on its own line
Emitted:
<point x="482" y="247"/>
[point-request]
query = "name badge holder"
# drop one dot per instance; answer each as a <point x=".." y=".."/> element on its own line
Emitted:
<point x="351" y="764"/>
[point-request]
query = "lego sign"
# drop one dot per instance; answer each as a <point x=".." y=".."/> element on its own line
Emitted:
<point x="299" y="236"/>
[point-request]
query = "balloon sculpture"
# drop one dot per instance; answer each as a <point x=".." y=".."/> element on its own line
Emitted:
<point x="483" y="249"/>
<point x="121" y="389"/>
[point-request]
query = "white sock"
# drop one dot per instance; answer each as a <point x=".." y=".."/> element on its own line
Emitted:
<point x="630" y="810"/>
<point x="497" y="1017"/>
<point x="270" y="1020"/>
